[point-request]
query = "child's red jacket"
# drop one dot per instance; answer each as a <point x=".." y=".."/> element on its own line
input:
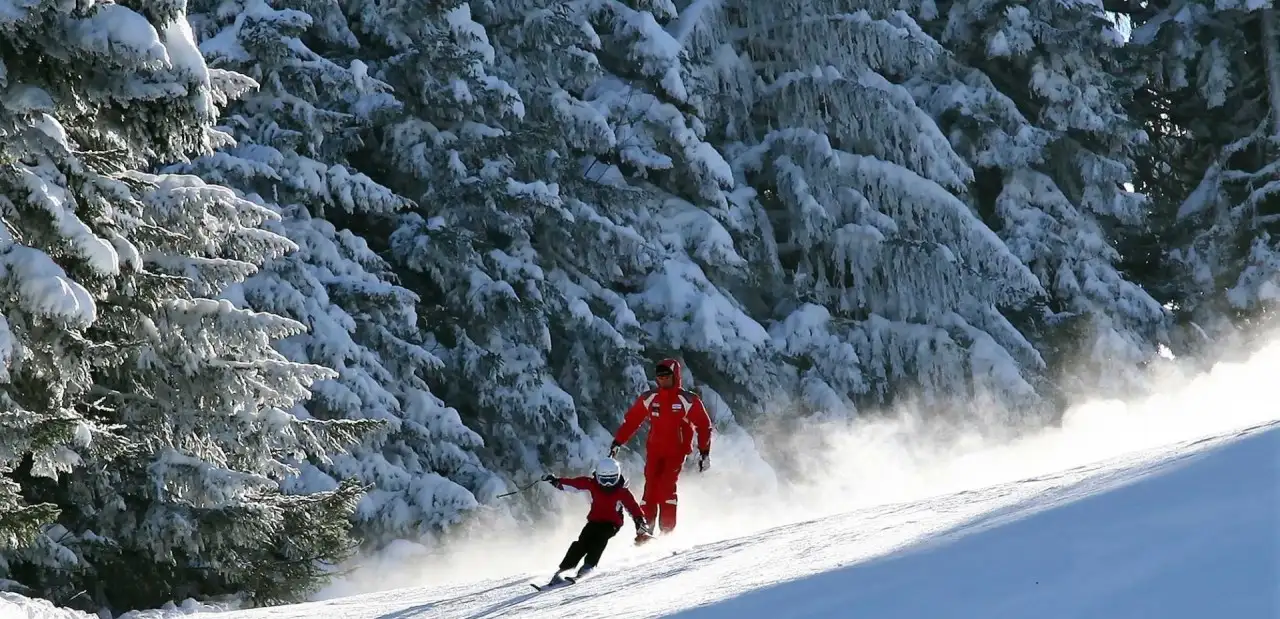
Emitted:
<point x="606" y="503"/>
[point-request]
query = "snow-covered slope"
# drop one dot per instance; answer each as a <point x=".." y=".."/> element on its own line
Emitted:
<point x="1165" y="508"/>
<point x="1185" y="530"/>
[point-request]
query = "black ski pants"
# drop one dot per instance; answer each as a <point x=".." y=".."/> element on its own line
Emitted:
<point x="590" y="544"/>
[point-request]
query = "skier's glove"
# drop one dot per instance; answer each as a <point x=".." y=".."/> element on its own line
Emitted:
<point x="555" y="481"/>
<point x="704" y="461"/>
<point x="643" y="527"/>
<point x="613" y="449"/>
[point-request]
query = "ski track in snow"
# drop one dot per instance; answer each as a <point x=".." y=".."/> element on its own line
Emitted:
<point x="665" y="578"/>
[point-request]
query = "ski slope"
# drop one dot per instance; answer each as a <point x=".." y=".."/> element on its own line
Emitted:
<point x="1163" y="508"/>
<point x="1186" y="530"/>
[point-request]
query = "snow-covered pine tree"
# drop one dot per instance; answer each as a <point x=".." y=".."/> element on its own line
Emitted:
<point x="132" y="263"/>
<point x="199" y="509"/>
<point x="467" y="248"/>
<point x="1213" y="103"/>
<point x="589" y="245"/>
<point x="886" y="284"/>
<point x="698" y="301"/>
<point x="296" y="133"/>
<point x="58" y="252"/>
<point x="1033" y="99"/>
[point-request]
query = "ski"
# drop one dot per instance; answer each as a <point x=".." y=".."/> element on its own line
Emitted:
<point x="568" y="580"/>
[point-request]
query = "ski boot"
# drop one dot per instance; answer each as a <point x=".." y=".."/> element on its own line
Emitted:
<point x="556" y="581"/>
<point x="583" y="571"/>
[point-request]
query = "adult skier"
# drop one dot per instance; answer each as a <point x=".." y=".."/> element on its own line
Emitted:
<point x="675" y="416"/>
<point x="609" y="496"/>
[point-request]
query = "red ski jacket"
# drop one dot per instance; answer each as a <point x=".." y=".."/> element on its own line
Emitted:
<point x="606" y="503"/>
<point x="675" y="415"/>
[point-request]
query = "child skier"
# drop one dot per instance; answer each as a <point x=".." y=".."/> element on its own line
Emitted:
<point x="609" y="496"/>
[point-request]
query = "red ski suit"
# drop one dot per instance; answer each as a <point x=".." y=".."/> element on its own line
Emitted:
<point x="606" y="503"/>
<point x="675" y="416"/>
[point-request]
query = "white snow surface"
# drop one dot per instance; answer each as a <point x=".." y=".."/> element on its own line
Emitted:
<point x="1165" y="507"/>
<point x="1176" y="531"/>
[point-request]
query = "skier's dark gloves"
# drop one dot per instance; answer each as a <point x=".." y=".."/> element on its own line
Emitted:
<point x="704" y="462"/>
<point x="551" y="478"/>
<point x="613" y="449"/>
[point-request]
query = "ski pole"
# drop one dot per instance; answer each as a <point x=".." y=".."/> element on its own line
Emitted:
<point x="535" y="482"/>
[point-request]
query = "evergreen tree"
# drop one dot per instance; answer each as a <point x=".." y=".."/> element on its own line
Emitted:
<point x="60" y="245"/>
<point x="1213" y="102"/>
<point x="295" y="136"/>
<point x="883" y="283"/>
<point x="198" y="510"/>
<point x="467" y="247"/>
<point x="530" y="230"/>
<point x="696" y="301"/>
<point x="1034" y="101"/>
<point x="630" y="259"/>
<point x="590" y="243"/>
<point x="131" y="265"/>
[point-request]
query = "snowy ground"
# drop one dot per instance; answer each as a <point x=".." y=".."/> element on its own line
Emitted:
<point x="1166" y="508"/>
<point x="1185" y="530"/>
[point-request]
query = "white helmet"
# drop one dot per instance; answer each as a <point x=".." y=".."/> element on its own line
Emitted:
<point x="607" y="472"/>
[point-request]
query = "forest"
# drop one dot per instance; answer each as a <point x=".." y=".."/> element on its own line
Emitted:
<point x="286" y="280"/>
